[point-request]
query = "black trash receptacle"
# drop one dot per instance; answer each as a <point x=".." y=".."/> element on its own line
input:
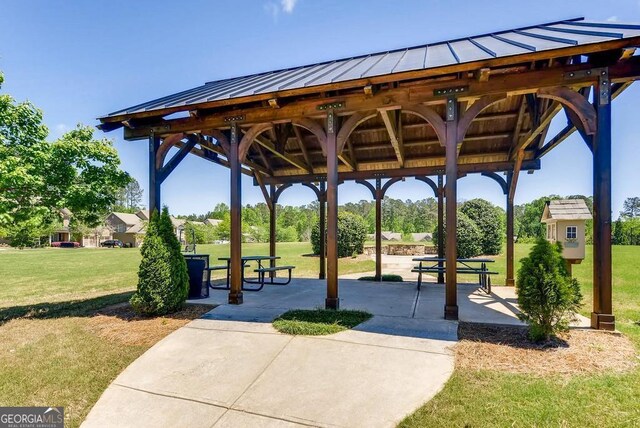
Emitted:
<point x="198" y="287"/>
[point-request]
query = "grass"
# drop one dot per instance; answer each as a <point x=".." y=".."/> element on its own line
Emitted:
<point x="51" y="352"/>
<point x="63" y="354"/>
<point x="385" y="277"/>
<point x="491" y="398"/>
<point x="61" y="275"/>
<point x="318" y="322"/>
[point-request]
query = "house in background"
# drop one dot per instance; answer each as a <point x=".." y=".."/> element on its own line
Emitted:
<point x="128" y="228"/>
<point x="212" y="221"/>
<point x="90" y="238"/>
<point x="63" y="233"/>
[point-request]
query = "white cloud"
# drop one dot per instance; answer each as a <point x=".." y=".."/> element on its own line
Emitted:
<point x="288" y="5"/>
<point x="274" y="8"/>
<point x="612" y="19"/>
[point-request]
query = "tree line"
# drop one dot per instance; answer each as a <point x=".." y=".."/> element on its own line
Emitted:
<point x="295" y="223"/>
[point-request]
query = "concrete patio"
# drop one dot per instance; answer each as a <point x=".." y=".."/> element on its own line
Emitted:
<point x="232" y="368"/>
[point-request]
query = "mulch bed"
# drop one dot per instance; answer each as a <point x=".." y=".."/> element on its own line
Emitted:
<point x="121" y="324"/>
<point x="508" y="349"/>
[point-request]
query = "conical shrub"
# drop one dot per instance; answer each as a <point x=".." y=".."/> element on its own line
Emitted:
<point x="163" y="282"/>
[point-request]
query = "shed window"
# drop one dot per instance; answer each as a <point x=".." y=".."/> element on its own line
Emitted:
<point x="572" y="232"/>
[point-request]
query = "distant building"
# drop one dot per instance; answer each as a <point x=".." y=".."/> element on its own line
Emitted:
<point x="63" y="233"/>
<point x="128" y="228"/>
<point x="419" y="237"/>
<point x="391" y="236"/>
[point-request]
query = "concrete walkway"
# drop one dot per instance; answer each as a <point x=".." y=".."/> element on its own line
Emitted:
<point x="232" y="369"/>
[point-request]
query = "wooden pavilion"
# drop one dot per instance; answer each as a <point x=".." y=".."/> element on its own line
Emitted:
<point x="480" y="104"/>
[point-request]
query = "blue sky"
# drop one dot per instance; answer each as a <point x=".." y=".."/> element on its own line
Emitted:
<point x="77" y="60"/>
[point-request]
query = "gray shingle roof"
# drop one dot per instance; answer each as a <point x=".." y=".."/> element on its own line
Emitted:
<point x="566" y="209"/>
<point x="556" y="35"/>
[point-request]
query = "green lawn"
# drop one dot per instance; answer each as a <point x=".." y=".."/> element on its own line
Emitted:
<point x="50" y="350"/>
<point x="318" y="322"/>
<point x="59" y="274"/>
<point x="492" y="398"/>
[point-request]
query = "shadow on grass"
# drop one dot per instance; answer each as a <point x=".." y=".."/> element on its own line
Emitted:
<point x="72" y="308"/>
<point x="506" y="335"/>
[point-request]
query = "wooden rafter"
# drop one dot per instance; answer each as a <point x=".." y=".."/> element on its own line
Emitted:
<point x="208" y="145"/>
<point x="545" y="120"/>
<point x="270" y="146"/>
<point x="352" y="154"/>
<point x="346" y="159"/>
<point x="303" y="148"/>
<point x="392" y="123"/>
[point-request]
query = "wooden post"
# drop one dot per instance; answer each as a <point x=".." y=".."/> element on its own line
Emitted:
<point x="602" y="315"/>
<point x="323" y="230"/>
<point x="272" y="227"/>
<point x="154" y="182"/>
<point x="510" y="281"/>
<point x="235" y="293"/>
<point x="332" y="301"/>
<point x="451" y="148"/>
<point x="440" y="227"/>
<point x="378" y="195"/>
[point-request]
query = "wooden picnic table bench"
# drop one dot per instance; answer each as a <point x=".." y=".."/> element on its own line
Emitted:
<point x="438" y="266"/>
<point x="260" y="270"/>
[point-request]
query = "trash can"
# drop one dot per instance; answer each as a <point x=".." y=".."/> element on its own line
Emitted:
<point x="197" y="269"/>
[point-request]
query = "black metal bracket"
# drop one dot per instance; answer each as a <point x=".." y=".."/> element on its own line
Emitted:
<point x="331" y="106"/>
<point x="604" y="87"/>
<point x="580" y="74"/>
<point x="234" y="118"/>
<point x="451" y="108"/>
<point x="452" y="90"/>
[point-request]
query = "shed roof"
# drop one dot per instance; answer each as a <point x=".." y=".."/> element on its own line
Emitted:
<point x="485" y="47"/>
<point x="566" y="209"/>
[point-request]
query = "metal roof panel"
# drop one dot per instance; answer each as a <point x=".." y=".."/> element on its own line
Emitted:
<point x="468" y="52"/>
<point x="439" y="55"/>
<point x="558" y="35"/>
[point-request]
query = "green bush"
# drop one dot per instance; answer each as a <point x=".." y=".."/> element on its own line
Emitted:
<point x="352" y="232"/>
<point x="163" y="283"/>
<point x="547" y="295"/>
<point x="468" y="236"/>
<point x="286" y="234"/>
<point x="488" y="219"/>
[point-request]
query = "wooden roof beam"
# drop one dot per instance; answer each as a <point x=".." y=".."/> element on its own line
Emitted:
<point x="467" y="168"/>
<point x="545" y="120"/>
<point x="617" y="89"/>
<point x="511" y="84"/>
<point x="303" y="148"/>
<point x="392" y="121"/>
<point x="208" y="145"/>
<point x="270" y="146"/>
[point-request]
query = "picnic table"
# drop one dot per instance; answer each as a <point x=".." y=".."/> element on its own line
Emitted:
<point x="261" y="270"/>
<point x="468" y="266"/>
